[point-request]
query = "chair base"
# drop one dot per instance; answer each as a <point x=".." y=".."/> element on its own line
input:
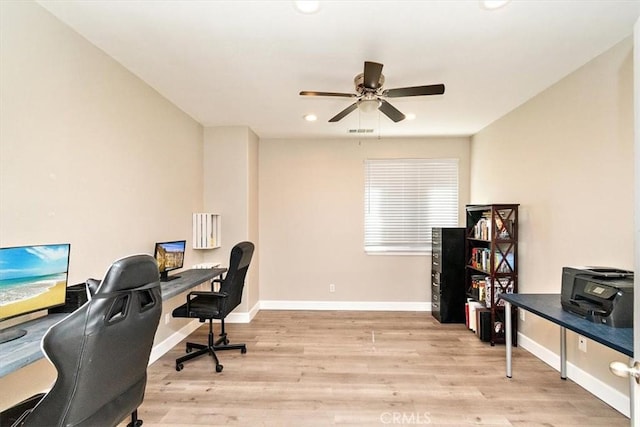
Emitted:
<point x="202" y="350"/>
<point x="135" y="421"/>
<point x="222" y="343"/>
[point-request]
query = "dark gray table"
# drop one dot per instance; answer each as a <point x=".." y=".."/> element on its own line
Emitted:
<point x="187" y="280"/>
<point x="548" y="307"/>
<point x="25" y="350"/>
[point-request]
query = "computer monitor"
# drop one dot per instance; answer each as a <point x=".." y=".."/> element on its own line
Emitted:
<point x="32" y="278"/>
<point x="170" y="256"/>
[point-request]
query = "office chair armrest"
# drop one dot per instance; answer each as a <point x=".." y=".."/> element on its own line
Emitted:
<point x="208" y="294"/>
<point x="218" y="297"/>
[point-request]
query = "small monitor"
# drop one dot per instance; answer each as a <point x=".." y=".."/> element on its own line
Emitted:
<point x="170" y="256"/>
<point x="32" y="278"/>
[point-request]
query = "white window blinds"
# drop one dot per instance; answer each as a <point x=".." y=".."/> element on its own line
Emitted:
<point x="404" y="199"/>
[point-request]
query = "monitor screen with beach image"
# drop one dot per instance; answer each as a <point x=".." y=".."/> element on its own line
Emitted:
<point x="32" y="278"/>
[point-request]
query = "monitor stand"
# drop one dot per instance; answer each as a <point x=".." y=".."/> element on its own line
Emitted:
<point x="164" y="277"/>
<point x="11" y="334"/>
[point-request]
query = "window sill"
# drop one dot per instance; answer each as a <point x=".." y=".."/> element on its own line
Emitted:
<point x="397" y="253"/>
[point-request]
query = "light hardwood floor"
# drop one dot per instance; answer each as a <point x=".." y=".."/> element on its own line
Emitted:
<point x="324" y="368"/>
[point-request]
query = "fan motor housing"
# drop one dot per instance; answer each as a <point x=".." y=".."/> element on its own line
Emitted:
<point x="359" y="83"/>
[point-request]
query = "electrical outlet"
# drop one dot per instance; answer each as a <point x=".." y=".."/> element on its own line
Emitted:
<point x="332" y="287"/>
<point x="521" y="313"/>
<point x="582" y="343"/>
<point x="167" y="318"/>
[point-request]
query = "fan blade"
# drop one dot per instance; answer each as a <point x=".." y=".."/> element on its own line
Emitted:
<point x="343" y="113"/>
<point x="313" y="93"/>
<point x="372" y="71"/>
<point x="390" y="111"/>
<point x="414" y="91"/>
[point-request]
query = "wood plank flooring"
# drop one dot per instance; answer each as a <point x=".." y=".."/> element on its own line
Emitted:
<point x="324" y="368"/>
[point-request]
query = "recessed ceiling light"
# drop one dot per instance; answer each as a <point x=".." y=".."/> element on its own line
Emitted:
<point x="493" y="4"/>
<point x="307" y="6"/>
<point x="410" y="116"/>
<point x="310" y="117"/>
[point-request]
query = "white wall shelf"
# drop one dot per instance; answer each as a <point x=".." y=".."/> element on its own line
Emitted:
<point x="206" y="230"/>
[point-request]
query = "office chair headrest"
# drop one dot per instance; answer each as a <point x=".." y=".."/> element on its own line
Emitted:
<point x="241" y="253"/>
<point x="129" y="273"/>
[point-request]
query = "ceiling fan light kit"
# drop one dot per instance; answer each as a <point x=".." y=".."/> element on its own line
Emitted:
<point x="368" y="105"/>
<point x="370" y="95"/>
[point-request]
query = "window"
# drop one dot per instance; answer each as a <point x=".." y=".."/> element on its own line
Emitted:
<point x="404" y="199"/>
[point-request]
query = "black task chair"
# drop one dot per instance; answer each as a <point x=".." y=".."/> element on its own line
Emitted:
<point x="101" y="351"/>
<point x="217" y="305"/>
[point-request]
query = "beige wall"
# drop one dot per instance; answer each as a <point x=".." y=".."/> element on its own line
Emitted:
<point x="253" y="195"/>
<point x="312" y="220"/>
<point x="567" y="157"/>
<point x="231" y="190"/>
<point x="89" y="154"/>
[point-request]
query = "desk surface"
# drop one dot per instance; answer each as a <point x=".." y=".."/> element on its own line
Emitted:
<point x="25" y="350"/>
<point x="187" y="280"/>
<point x="548" y="307"/>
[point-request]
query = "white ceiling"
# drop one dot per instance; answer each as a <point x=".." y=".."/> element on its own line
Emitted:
<point x="231" y="63"/>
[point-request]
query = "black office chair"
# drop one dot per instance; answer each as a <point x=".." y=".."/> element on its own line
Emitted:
<point x="101" y="351"/>
<point x="217" y="305"/>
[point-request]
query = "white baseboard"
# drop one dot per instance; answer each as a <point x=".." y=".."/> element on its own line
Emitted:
<point x="612" y="397"/>
<point x="244" y="316"/>
<point x="345" y="305"/>
<point x="173" y="340"/>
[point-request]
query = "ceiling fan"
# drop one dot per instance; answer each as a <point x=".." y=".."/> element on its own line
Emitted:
<point x="370" y="94"/>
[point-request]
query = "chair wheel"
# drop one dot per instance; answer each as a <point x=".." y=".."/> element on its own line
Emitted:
<point x="188" y="349"/>
<point x="179" y="367"/>
<point x="219" y="368"/>
<point x="243" y="350"/>
<point x="226" y="342"/>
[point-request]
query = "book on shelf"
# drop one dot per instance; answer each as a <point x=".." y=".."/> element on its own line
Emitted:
<point x="499" y="226"/>
<point x="504" y="264"/>
<point x="483" y="228"/>
<point x="472" y="307"/>
<point x="480" y="258"/>
<point x="506" y="230"/>
<point x="478" y="287"/>
<point x="502" y="284"/>
<point x="504" y="224"/>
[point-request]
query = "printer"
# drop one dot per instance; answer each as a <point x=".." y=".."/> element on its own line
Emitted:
<point x="599" y="294"/>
